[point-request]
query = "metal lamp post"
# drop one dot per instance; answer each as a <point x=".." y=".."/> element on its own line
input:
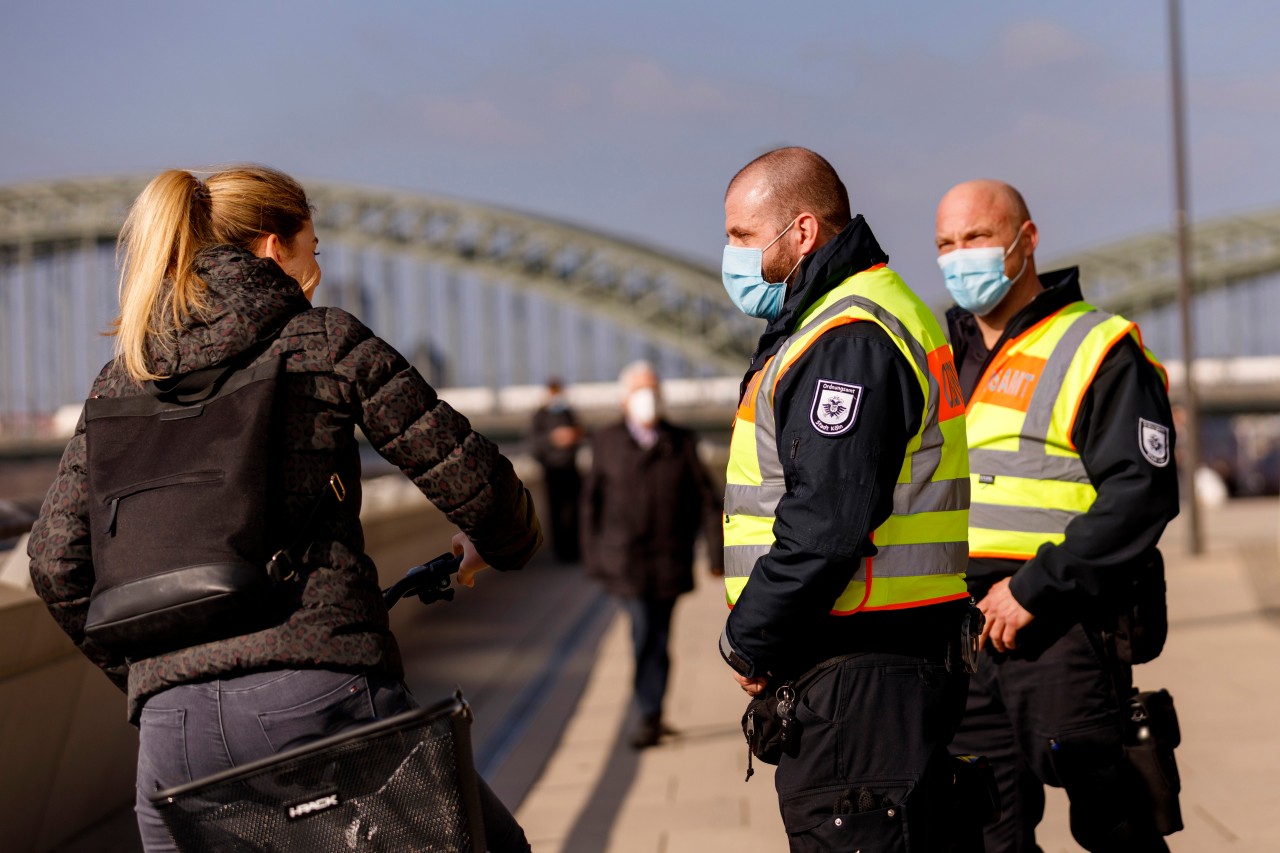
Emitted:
<point x="1191" y="430"/>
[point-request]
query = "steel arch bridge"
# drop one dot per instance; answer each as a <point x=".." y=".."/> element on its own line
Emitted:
<point x="1141" y="273"/>
<point x="473" y="295"/>
<point x="485" y="297"/>
<point x="1234" y="261"/>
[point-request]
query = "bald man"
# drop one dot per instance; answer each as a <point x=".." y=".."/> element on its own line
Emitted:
<point x="845" y="521"/>
<point x="1071" y="454"/>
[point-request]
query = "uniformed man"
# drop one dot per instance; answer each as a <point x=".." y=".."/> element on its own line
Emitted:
<point x="845" y="513"/>
<point x="1071" y="453"/>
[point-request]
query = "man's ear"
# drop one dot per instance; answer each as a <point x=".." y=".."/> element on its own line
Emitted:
<point x="1033" y="237"/>
<point x="807" y="230"/>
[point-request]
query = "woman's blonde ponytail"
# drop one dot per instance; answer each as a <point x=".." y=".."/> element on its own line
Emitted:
<point x="175" y="218"/>
<point x="167" y="226"/>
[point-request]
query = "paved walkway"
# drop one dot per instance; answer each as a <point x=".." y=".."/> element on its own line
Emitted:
<point x="688" y="795"/>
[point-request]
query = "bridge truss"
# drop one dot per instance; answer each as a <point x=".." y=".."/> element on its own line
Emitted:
<point x="479" y="296"/>
<point x="1235" y="261"/>
<point x="473" y="295"/>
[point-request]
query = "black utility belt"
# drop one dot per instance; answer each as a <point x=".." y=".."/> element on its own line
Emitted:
<point x="769" y="723"/>
<point x="924" y="632"/>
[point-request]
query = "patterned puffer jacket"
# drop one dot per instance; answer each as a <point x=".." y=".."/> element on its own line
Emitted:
<point x="338" y="376"/>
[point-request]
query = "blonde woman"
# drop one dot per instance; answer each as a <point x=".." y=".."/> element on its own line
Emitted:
<point x="212" y="269"/>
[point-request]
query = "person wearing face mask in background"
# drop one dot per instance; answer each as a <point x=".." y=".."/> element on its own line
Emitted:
<point x="556" y="436"/>
<point x="845" y="519"/>
<point x="1071" y="452"/>
<point x="644" y="501"/>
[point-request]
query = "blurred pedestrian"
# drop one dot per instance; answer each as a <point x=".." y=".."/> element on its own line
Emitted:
<point x="556" y="436"/>
<point x="219" y="274"/>
<point x="646" y="498"/>
<point x="845" y="515"/>
<point x="1071" y="447"/>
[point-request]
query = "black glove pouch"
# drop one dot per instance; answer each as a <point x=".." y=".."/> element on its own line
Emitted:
<point x="769" y="723"/>
<point x="1151" y="735"/>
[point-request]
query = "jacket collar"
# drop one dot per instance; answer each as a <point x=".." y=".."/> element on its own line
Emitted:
<point x="851" y="251"/>
<point x="1061" y="288"/>
<point x="662" y="435"/>
<point x="249" y="300"/>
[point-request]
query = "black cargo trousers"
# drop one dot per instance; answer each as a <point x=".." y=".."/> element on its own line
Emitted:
<point x="1052" y="712"/>
<point x="872" y="768"/>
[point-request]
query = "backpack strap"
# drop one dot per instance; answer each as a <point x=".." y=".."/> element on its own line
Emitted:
<point x="283" y="563"/>
<point x="200" y="385"/>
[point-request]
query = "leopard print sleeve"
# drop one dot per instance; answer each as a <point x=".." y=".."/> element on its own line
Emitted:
<point x="61" y="560"/>
<point x="457" y="468"/>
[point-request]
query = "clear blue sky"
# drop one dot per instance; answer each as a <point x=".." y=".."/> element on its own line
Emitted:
<point x="631" y="118"/>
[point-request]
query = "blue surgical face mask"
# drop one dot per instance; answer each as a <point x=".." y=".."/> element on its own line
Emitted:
<point x="742" y="271"/>
<point x="975" y="277"/>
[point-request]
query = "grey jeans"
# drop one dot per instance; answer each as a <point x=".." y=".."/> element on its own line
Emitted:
<point x="194" y="730"/>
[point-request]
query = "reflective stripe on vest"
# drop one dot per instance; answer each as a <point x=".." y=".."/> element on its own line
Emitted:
<point x="922" y="546"/>
<point x="1028" y="478"/>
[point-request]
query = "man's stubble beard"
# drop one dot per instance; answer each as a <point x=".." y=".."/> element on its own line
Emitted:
<point x="781" y="265"/>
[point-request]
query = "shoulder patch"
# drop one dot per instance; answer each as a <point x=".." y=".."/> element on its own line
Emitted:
<point x="835" y="407"/>
<point x="1153" y="440"/>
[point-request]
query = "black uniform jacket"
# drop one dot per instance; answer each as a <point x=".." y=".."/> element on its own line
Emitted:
<point x="1136" y="499"/>
<point x="838" y="488"/>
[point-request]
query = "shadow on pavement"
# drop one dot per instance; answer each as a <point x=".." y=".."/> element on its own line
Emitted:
<point x="594" y="824"/>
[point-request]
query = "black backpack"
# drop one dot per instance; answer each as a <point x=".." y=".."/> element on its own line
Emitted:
<point x="181" y="509"/>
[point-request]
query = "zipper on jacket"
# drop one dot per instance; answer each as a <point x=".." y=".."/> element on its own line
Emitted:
<point x="795" y="448"/>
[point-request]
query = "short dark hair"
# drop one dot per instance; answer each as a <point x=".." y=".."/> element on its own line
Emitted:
<point x="801" y="180"/>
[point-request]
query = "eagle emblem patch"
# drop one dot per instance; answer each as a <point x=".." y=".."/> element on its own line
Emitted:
<point x="1153" y="440"/>
<point x="835" y="407"/>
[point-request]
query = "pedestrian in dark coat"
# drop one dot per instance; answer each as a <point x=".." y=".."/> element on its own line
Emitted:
<point x="556" y="436"/>
<point x="644" y="502"/>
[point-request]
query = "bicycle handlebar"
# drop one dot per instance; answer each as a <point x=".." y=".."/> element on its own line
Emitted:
<point x="430" y="581"/>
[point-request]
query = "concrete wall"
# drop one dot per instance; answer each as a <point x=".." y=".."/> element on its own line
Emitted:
<point x="67" y="755"/>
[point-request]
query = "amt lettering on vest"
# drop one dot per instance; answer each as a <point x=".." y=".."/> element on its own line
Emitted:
<point x="1012" y="384"/>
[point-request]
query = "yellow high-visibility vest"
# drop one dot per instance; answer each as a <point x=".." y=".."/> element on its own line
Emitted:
<point x="922" y="546"/>
<point x="1028" y="478"/>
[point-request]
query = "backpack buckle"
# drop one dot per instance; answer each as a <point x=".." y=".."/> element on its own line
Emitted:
<point x="280" y="567"/>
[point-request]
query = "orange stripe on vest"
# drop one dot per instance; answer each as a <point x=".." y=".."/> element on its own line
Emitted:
<point x="1003" y="356"/>
<point x="747" y="405"/>
<point x="943" y="368"/>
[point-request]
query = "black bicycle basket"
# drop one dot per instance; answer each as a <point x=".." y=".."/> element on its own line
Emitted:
<point x="400" y="784"/>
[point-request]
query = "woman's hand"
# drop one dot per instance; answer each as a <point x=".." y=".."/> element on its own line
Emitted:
<point x="471" y="563"/>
